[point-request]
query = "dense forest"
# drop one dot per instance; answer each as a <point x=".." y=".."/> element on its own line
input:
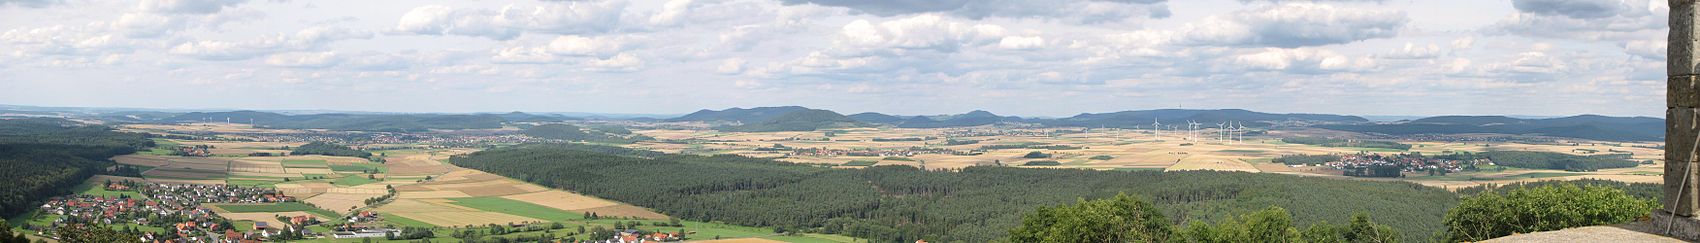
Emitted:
<point x="43" y="157"/>
<point x="902" y="203"/>
<point x="1555" y="161"/>
<point x="606" y="134"/>
<point x="323" y="148"/>
<point x="1583" y="126"/>
<point x="802" y="120"/>
<point x="1329" y="142"/>
<point x="1306" y="159"/>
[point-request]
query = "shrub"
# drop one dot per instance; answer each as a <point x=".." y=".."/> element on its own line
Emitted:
<point x="1042" y="163"/>
<point x="1545" y="208"/>
<point x="1036" y="155"/>
<point x="1118" y="219"/>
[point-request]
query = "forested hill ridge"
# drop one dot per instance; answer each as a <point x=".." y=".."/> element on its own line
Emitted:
<point x="360" y="122"/>
<point x="904" y="203"/>
<point x="1583" y="126"/>
<point x="43" y="157"/>
<point x="1130" y="119"/>
<point x="739" y="115"/>
<point x="801" y="120"/>
<point x="972" y="118"/>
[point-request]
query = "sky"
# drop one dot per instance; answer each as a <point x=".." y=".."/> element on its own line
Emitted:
<point x="910" y="57"/>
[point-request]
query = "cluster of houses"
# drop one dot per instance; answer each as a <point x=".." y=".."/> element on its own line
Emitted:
<point x="194" y="151"/>
<point x="175" y="208"/>
<point x="1378" y="165"/>
<point x="872" y="152"/>
<point x="635" y="236"/>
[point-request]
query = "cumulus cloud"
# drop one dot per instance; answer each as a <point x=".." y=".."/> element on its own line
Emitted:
<point x="305" y="39"/>
<point x="1086" y="11"/>
<point x="928" y="32"/>
<point x="1021" y="42"/>
<point x="624" y="62"/>
<point x="1302" y="60"/>
<point x="510" y="21"/>
<point x="1613" y="20"/>
<point x="1413" y="51"/>
<point x="29" y="3"/>
<point x="187" y="6"/>
<point x="303" y="59"/>
<point x="1295" y="25"/>
<point x="562" y="48"/>
<point x="1581" y="9"/>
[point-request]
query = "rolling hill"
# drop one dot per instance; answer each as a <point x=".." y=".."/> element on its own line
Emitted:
<point x="800" y="120"/>
<point x="1584" y="126"/>
<point x="972" y="118"/>
<point x="1130" y="119"/>
<point x="739" y="115"/>
<point x="353" y="122"/>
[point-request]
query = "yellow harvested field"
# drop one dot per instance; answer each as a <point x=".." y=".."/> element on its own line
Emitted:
<point x="442" y="213"/>
<point x="340" y="202"/>
<point x="740" y="240"/>
<point x="431" y="194"/>
<point x="1216" y="163"/>
<point x="624" y="210"/>
<point x="562" y="200"/>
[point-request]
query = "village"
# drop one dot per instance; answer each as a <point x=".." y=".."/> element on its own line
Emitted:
<point x="181" y="213"/>
<point x="1395" y="165"/>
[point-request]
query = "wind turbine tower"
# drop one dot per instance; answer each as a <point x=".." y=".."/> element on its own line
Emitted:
<point x="1156" y="130"/>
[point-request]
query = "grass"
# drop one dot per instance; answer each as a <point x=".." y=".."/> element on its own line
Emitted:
<point x="96" y="189"/>
<point x="405" y="222"/>
<point x="251" y="183"/>
<point x="515" y="207"/>
<point x="243" y="225"/>
<point x="360" y="167"/>
<point x="303" y="163"/>
<point x="353" y="180"/>
<point x="861" y="163"/>
<point x="277" y="207"/>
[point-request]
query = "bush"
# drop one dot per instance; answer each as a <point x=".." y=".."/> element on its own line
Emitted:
<point x="1545" y="208"/>
<point x="1118" y="219"/>
<point x="1102" y="157"/>
<point x="1041" y="163"/>
<point x="1036" y="155"/>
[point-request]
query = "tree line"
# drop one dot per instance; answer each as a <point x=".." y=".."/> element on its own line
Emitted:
<point x="45" y="157"/>
<point x="902" y="203"/>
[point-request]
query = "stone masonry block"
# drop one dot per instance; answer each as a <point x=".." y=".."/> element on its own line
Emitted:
<point x="1680" y="131"/>
<point x="1681" y="54"/>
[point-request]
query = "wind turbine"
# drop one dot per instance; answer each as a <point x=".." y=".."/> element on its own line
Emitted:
<point x="1241" y="131"/>
<point x="1156" y="130"/>
<point x="1221" y="131"/>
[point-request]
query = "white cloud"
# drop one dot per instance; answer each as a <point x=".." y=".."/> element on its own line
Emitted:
<point x="731" y="66"/>
<point x="922" y="32"/>
<point x="1021" y="42"/>
<point x="303" y="59"/>
<point x="305" y="39"/>
<point x="1413" y="51"/>
<point x="187" y="6"/>
<point x="1295" y="25"/>
<point x="1302" y="60"/>
<point x="624" y="62"/>
<point x="551" y="18"/>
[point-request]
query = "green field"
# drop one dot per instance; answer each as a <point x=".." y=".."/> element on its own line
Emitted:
<point x="303" y="163"/>
<point x="276" y="207"/>
<point x="95" y="188"/>
<point x="360" y="167"/>
<point x="509" y="206"/>
<point x="861" y="163"/>
<point x="353" y="180"/>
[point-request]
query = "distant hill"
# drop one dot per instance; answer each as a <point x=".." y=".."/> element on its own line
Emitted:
<point x="1584" y="126"/>
<point x="800" y="120"/>
<point x="972" y="118"/>
<point x="740" y="115"/>
<point x="354" y="122"/>
<point x="1129" y="119"/>
<point x="528" y="117"/>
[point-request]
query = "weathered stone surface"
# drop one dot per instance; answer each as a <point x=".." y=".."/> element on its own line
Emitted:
<point x="1680" y="131"/>
<point x="1663" y="223"/>
<point x="1683" y="91"/>
<point x="1680" y="55"/>
<point x="1615" y="233"/>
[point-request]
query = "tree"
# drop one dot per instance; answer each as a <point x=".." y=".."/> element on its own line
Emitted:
<point x="1531" y="209"/>
<point x="85" y="233"/>
<point x="1118" y="219"/>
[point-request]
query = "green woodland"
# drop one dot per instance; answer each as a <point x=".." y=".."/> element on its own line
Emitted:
<point x="43" y="157"/>
<point x="903" y="203"/>
<point x="323" y="148"/>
